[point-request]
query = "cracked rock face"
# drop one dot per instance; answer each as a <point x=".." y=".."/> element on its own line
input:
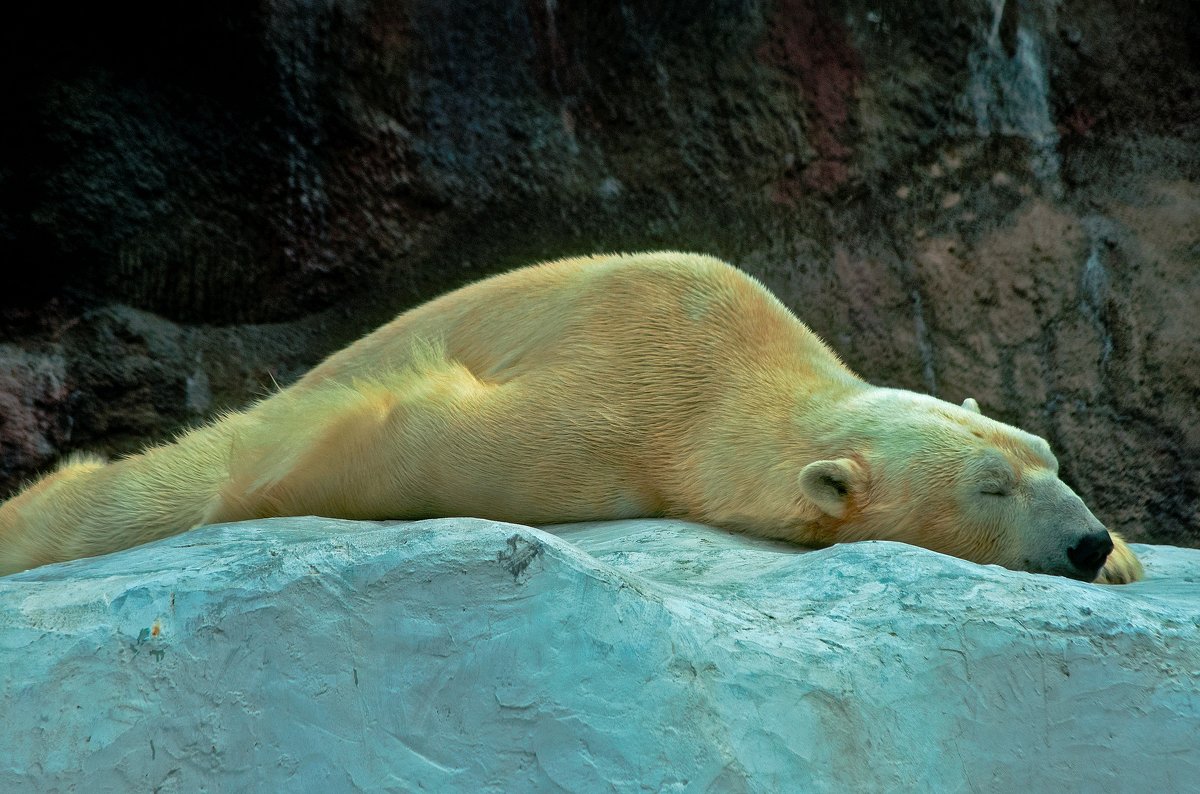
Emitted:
<point x="471" y="655"/>
<point x="988" y="198"/>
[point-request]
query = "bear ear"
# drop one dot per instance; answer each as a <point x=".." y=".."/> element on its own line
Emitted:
<point x="830" y="484"/>
<point x="971" y="405"/>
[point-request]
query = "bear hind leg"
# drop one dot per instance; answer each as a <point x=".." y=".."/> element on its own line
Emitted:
<point x="363" y="450"/>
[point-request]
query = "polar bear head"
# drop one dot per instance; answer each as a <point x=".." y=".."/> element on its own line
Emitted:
<point x="944" y="477"/>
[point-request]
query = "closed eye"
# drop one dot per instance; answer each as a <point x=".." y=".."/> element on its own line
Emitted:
<point x="995" y="490"/>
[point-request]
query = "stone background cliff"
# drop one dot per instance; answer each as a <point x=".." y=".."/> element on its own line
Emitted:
<point x="988" y="198"/>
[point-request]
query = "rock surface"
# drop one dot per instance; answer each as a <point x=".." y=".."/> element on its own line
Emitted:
<point x="987" y="198"/>
<point x="310" y="654"/>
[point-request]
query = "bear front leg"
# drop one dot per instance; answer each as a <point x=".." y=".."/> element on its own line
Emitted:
<point x="1122" y="566"/>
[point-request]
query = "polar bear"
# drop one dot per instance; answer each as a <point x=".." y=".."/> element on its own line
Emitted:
<point x="602" y="387"/>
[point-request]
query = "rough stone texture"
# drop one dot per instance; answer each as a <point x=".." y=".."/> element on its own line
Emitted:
<point x="467" y="655"/>
<point x="995" y="198"/>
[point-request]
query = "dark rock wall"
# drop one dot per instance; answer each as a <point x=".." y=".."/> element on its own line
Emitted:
<point x="996" y="198"/>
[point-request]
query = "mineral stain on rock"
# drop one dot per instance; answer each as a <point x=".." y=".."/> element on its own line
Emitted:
<point x="520" y="553"/>
<point x="812" y="49"/>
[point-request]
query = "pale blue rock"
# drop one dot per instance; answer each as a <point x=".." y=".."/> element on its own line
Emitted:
<point x="466" y="655"/>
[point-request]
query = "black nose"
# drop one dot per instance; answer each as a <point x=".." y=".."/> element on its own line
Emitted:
<point x="1090" y="553"/>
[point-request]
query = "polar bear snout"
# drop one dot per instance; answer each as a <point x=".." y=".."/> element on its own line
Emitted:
<point x="1058" y="534"/>
<point x="1088" y="555"/>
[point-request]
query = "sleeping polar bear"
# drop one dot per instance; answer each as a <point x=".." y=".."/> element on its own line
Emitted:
<point x="605" y="387"/>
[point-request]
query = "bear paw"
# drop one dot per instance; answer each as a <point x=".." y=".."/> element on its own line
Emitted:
<point x="1122" y="566"/>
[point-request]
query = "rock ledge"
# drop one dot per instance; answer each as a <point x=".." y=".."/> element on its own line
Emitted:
<point x="460" y="654"/>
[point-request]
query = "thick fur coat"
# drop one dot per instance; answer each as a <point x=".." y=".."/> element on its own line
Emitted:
<point x="605" y="387"/>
